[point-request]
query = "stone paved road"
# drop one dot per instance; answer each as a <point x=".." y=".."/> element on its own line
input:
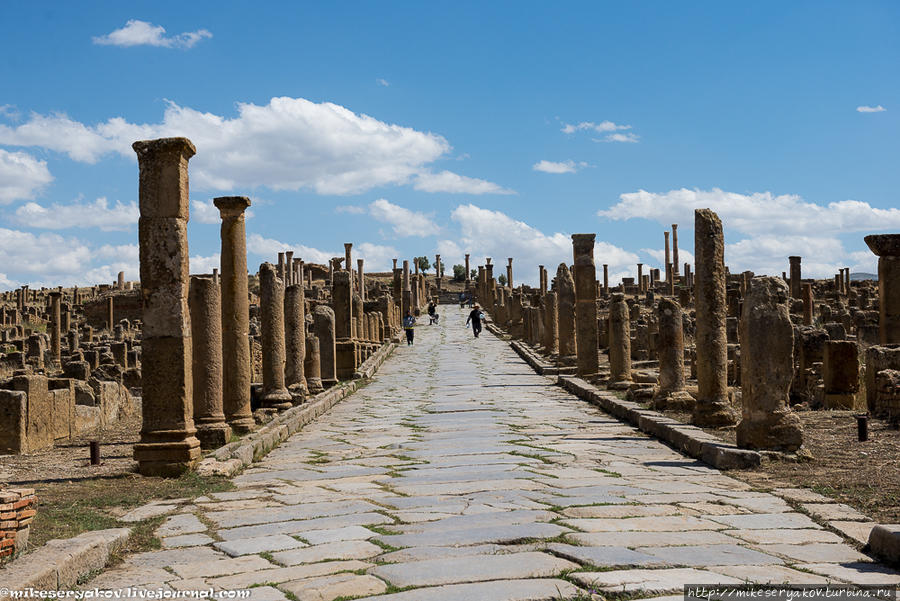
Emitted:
<point x="458" y="474"/>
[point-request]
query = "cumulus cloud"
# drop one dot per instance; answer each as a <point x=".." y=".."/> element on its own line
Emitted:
<point x="141" y="33"/>
<point x="268" y="249"/>
<point x="202" y="265"/>
<point x="376" y="257"/>
<point x="763" y="229"/>
<point x="659" y="257"/>
<point x="447" y="181"/>
<point x="487" y="233"/>
<point x="569" y="166"/>
<point x="21" y="176"/>
<point x="870" y="109"/>
<point x="45" y="258"/>
<point x="99" y="214"/>
<point x="403" y="221"/>
<point x="288" y="144"/>
<point x="626" y="137"/>
<point x="204" y="211"/>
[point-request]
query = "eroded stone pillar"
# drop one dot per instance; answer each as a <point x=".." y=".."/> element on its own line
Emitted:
<point x="668" y="257"/>
<point x="406" y="297"/>
<point x="275" y="394"/>
<point x="767" y="367"/>
<point x="55" y="325"/>
<point x="585" y="305"/>
<point x="670" y="349"/>
<point x="795" y="277"/>
<point x="312" y="365"/>
<point x="168" y="444"/>
<point x="294" y="341"/>
<point x="235" y="314"/>
<point x="551" y="323"/>
<point x="206" y="322"/>
<point x="468" y="273"/>
<point x="509" y="279"/>
<point x="713" y="408"/>
<point x="565" y="286"/>
<point x="361" y="281"/>
<point x="619" y="342"/>
<point x="675" y="249"/>
<point x="324" y="328"/>
<point x="288" y="276"/>
<point x="807" y="304"/>
<point x="887" y="247"/>
<point x="110" y="316"/>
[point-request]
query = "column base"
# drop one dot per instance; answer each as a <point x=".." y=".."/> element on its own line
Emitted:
<point x="779" y="431"/>
<point x="314" y="385"/>
<point x="713" y="414"/>
<point x="213" y="436"/>
<point x="277" y="399"/>
<point x="679" y="400"/>
<point x="242" y="425"/>
<point x="298" y="393"/>
<point x="169" y="458"/>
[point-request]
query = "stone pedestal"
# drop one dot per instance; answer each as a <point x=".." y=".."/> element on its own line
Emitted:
<point x="713" y="408"/>
<point x="767" y="348"/>
<point x="168" y="445"/>
<point x="670" y="349"/>
<point x="206" y="323"/>
<point x="275" y="394"/>
<point x="586" y="333"/>
<point x="235" y="314"/>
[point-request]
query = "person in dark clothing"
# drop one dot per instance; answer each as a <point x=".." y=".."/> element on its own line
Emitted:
<point x="432" y="313"/>
<point x="475" y="317"/>
<point x="408" y="323"/>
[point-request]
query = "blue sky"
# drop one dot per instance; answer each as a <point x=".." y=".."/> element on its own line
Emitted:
<point x="497" y="129"/>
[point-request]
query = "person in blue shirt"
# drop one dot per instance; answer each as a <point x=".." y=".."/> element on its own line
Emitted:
<point x="408" y="323"/>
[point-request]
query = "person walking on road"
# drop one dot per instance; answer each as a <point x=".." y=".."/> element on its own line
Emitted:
<point x="475" y="317"/>
<point x="408" y="323"/>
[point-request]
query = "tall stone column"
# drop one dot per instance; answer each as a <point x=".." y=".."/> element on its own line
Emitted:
<point x="312" y="365"/>
<point x="675" y="249"/>
<point x="110" y="316"/>
<point x="288" y="277"/>
<point x="551" y="323"/>
<point x="347" y="255"/>
<point x="324" y="328"/>
<point x="406" y="296"/>
<point x="795" y="277"/>
<point x="586" y="334"/>
<point x="807" y="304"/>
<point x="605" y="279"/>
<point x="361" y="284"/>
<point x="640" y="277"/>
<point x="281" y="264"/>
<point x="295" y="341"/>
<point x="713" y="408"/>
<point x="206" y="321"/>
<point x="168" y="444"/>
<point x="619" y="343"/>
<point x="468" y="273"/>
<point x="668" y="257"/>
<point x="235" y="314"/>
<point x="509" y="280"/>
<point x="342" y="303"/>
<point x="670" y="349"/>
<point x="767" y="367"/>
<point x="275" y="394"/>
<point x="55" y="325"/>
<point x="120" y="281"/>
<point x="887" y="247"/>
<point x="437" y="272"/>
<point x="565" y="286"/>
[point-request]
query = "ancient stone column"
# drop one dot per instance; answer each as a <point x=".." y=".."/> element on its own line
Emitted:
<point x="551" y="323"/>
<point x="619" y="342"/>
<point x="807" y="304"/>
<point x="640" y="277"/>
<point x="668" y="258"/>
<point x="406" y="297"/>
<point x="109" y="313"/>
<point x="294" y="341"/>
<point x="887" y="247"/>
<point x="206" y="322"/>
<point x="288" y="276"/>
<point x="342" y="303"/>
<point x="275" y="394"/>
<point x="347" y="247"/>
<point x="311" y="365"/>
<point x="324" y="329"/>
<point x="565" y="286"/>
<point x="605" y="279"/>
<point x="675" y="249"/>
<point x="55" y="325"/>
<point x="670" y="349"/>
<point x="767" y="367"/>
<point x="235" y="314"/>
<point x="281" y="264"/>
<point x="509" y="280"/>
<point x="437" y="271"/>
<point x="120" y="281"/>
<point x="468" y="273"/>
<point x="586" y="333"/>
<point x="713" y="408"/>
<point x="168" y="444"/>
<point x="795" y="277"/>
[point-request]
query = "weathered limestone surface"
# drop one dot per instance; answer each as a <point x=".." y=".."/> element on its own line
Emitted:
<point x="767" y="367"/>
<point x="713" y="408"/>
<point x="206" y="320"/>
<point x="619" y="341"/>
<point x="566" y="310"/>
<point x="586" y="334"/>
<point x="670" y="347"/>
<point x="275" y="394"/>
<point x="444" y="463"/>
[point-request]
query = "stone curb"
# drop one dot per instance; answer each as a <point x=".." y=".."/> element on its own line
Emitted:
<point x="686" y="438"/>
<point x="61" y="562"/>
<point x="229" y="459"/>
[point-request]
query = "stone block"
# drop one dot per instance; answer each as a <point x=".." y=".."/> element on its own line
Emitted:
<point x="884" y="541"/>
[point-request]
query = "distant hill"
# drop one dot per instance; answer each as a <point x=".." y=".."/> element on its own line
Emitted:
<point x="863" y="276"/>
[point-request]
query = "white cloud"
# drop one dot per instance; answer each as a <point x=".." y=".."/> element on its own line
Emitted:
<point x="659" y="256"/>
<point x="268" y="249"/>
<point x="758" y="214"/>
<point x="288" y="144"/>
<point x="204" y="211"/>
<point x="403" y="221"/>
<point x="602" y="127"/>
<point x="350" y="209"/>
<point x="382" y="82"/>
<point x="21" y="176"/>
<point x="99" y="214"/>
<point x="569" y="166"/>
<point x="142" y="33"/>
<point x="447" y="181"/>
<point x="201" y="264"/>
<point x="376" y="257"/>
<point x="626" y="137"/>
<point x="48" y="258"/>
<point x="870" y="109"/>
<point x="494" y="234"/>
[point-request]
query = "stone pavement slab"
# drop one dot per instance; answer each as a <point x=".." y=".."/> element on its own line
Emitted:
<point x="663" y="580"/>
<point x="497" y="590"/>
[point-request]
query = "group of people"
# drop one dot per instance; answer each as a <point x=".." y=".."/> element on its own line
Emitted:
<point x="476" y="316"/>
